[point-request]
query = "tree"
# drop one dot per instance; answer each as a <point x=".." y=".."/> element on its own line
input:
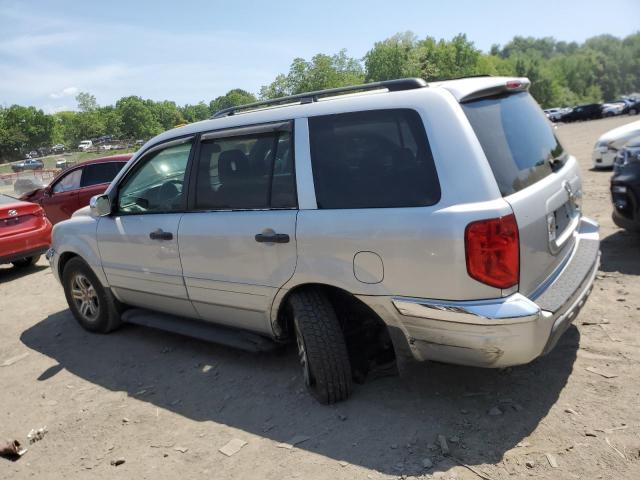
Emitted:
<point x="392" y="58"/>
<point x="86" y="102"/>
<point x="196" y="113"/>
<point x="323" y="71"/>
<point x="138" y="120"/>
<point x="232" y="98"/>
<point x="23" y="129"/>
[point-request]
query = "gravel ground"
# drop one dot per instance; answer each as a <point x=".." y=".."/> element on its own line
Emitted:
<point x="166" y="404"/>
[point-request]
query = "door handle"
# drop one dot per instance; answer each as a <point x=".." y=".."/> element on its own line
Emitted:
<point x="272" y="238"/>
<point x="160" y="234"/>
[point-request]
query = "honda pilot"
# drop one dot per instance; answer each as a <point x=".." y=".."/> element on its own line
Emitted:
<point x="363" y="224"/>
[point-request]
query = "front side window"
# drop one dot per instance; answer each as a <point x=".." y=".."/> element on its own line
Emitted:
<point x="71" y="181"/>
<point x="372" y="159"/>
<point x="253" y="171"/>
<point x="157" y="185"/>
<point x="98" y="173"/>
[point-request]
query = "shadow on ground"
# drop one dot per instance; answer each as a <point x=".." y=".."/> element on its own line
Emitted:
<point x="9" y="273"/>
<point x="621" y="253"/>
<point x="389" y="422"/>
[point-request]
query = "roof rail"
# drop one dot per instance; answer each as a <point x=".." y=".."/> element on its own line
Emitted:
<point x="310" y="97"/>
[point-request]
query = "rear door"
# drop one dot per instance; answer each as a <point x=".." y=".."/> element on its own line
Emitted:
<point x="535" y="175"/>
<point x="238" y="244"/>
<point x="96" y="178"/>
<point x="62" y="199"/>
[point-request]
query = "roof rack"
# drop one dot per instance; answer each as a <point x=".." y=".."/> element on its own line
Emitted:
<point x="310" y="97"/>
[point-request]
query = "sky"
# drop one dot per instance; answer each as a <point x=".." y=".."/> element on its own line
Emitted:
<point x="188" y="51"/>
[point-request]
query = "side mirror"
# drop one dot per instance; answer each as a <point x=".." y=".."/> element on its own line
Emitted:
<point x="100" y="205"/>
<point x="48" y="191"/>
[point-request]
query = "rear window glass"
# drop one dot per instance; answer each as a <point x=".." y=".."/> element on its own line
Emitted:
<point x="372" y="159"/>
<point x="516" y="138"/>
<point x="98" y="173"/>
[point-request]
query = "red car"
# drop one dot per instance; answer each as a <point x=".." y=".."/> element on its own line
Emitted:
<point x="73" y="188"/>
<point x="25" y="232"/>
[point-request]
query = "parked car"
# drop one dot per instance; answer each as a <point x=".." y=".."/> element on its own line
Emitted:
<point x="612" y="109"/>
<point x="553" y="114"/>
<point x="28" y="164"/>
<point x="634" y="107"/>
<point x="442" y="223"/>
<point x="607" y="146"/>
<point x="72" y="189"/>
<point x="105" y="147"/>
<point x="625" y="187"/>
<point x="63" y="164"/>
<point x="58" y="148"/>
<point x="85" y="145"/>
<point x="589" y="111"/>
<point x="25" y="232"/>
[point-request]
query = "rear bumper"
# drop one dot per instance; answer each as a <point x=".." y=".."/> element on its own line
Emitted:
<point x="27" y="244"/>
<point x="498" y="332"/>
<point x="603" y="159"/>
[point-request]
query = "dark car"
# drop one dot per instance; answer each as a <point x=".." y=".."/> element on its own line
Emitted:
<point x="633" y="108"/>
<point x="625" y="187"/>
<point x="73" y="188"/>
<point x="588" y="111"/>
<point x="29" y="164"/>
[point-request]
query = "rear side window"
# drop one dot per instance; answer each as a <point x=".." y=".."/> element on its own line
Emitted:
<point x="372" y="159"/>
<point x="100" y="173"/>
<point x="516" y="138"/>
<point x="247" y="172"/>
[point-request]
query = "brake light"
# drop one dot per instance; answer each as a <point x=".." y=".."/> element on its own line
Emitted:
<point x="493" y="251"/>
<point x="514" y="84"/>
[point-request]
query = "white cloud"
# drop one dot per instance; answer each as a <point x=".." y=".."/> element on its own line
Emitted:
<point x="65" y="92"/>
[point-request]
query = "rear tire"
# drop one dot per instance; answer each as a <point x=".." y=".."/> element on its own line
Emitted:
<point x="322" y="348"/>
<point x="93" y="306"/>
<point x="26" y="262"/>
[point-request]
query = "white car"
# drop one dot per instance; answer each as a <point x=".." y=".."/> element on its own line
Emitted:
<point x="607" y="146"/>
<point x="85" y="145"/>
<point x="611" y="109"/>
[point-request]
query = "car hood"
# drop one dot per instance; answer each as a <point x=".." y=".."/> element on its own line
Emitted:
<point x="33" y="195"/>
<point x="622" y="134"/>
<point x="82" y="212"/>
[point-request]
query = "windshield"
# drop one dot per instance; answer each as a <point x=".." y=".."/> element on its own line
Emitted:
<point x="516" y="138"/>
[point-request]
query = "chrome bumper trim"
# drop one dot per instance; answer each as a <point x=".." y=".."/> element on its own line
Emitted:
<point x="515" y="308"/>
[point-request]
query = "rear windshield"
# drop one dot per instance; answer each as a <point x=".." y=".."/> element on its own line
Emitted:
<point x="516" y="138"/>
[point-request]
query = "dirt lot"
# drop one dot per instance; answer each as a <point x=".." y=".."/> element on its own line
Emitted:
<point x="166" y="404"/>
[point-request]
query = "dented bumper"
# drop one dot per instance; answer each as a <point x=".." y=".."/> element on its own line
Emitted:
<point x="502" y="332"/>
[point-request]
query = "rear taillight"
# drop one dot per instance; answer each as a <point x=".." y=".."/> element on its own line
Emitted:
<point x="493" y="251"/>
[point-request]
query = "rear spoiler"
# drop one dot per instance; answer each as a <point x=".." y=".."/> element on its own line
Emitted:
<point x="515" y="85"/>
<point x="469" y="89"/>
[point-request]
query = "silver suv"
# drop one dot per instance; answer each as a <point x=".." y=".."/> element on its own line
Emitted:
<point x="366" y="224"/>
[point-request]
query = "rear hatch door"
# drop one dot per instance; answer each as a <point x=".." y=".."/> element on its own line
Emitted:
<point x="535" y="176"/>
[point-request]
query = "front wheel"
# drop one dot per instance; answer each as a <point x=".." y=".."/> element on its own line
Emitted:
<point x="26" y="262"/>
<point x="322" y="349"/>
<point x="93" y="306"/>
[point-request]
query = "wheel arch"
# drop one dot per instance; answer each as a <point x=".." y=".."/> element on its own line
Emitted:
<point x="367" y="334"/>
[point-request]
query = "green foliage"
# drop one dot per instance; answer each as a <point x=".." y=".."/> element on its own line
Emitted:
<point x="561" y="74"/>
<point x="232" y="98"/>
<point x="138" y="119"/>
<point x="86" y="102"/>
<point x="323" y="71"/>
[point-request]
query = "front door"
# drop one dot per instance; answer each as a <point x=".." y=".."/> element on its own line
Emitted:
<point x="238" y="245"/>
<point x="61" y="200"/>
<point x="138" y="243"/>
